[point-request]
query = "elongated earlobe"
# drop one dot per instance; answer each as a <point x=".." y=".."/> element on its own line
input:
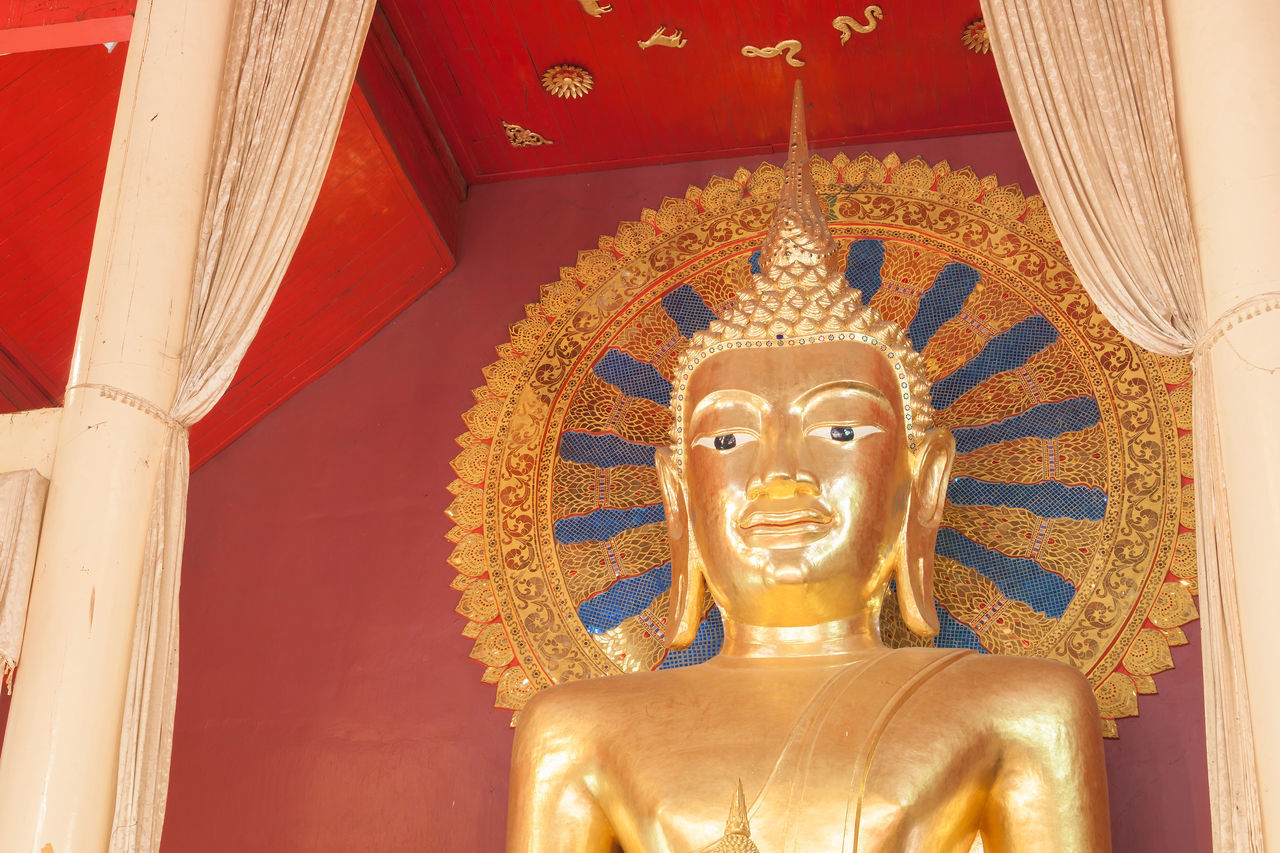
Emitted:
<point x="684" y="612"/>
<point x="920" y="531"/>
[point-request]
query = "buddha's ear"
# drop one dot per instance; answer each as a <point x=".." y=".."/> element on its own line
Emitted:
<point x="684" y="612"/>
<point x="920" y="530"/>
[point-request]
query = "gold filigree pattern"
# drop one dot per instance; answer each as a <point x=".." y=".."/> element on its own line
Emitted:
<point x="1132" y="566"/>
<point x="522" y="137"/>
<point x="1074" y="458"/>
<point x="1067" y="544"/>
<point x="601" y="407"/>
<point x="580" y="488"/>
<point x="589" y="567"/>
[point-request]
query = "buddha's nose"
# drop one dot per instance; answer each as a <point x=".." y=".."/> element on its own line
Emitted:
<point x="780" y="488"/>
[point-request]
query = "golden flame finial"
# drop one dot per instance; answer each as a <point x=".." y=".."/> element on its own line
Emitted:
<point x="737" y="831"/>
<point x="800" y="296"/>
<point x="799" y="248"/>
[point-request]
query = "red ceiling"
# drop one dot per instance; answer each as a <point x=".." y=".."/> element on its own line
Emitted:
<point x="435" y="81"/>
<point x="478" y="62"/>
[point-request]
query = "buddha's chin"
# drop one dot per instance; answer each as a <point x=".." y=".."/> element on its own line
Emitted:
<point x="788" y="567"/>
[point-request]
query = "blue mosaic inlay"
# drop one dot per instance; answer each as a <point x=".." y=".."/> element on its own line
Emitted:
<point x="705" y="645"/>
<point x="953" y="634"/>
<point x="1047" y="420"/>
<point x="754" y="262"/>
<point x="1020" y="579"/>
<point x="633" y="378"/>
<point x="627" y="597"/>
<point x="688" y="310"/>
<point x="1006" y="351"/>
<point x="941" y="302"/>
<point x="862" y="267"/>
<point x="604" y="524"/>
<point x="603" y="451"/>
<point x="1048" y="499"/>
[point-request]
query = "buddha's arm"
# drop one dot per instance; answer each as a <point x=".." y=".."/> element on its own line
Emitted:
<point x="1050" y="790"/>
<point x="551" y="809"/>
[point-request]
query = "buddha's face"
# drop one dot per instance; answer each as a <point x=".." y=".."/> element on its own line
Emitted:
<point x="797" y="479"/>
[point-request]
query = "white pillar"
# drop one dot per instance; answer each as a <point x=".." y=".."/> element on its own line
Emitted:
<point x="1227" y="82"/>
<point x="58" y="764"/>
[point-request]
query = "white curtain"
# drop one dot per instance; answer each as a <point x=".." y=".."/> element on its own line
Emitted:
<point x="1091" y="91"/>
<point x="289" y="72"/>
<point x="22" y="495"/>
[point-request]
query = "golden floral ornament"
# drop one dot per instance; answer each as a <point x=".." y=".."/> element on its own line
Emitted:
<point x="1074" y="443"/>
<point x="567" y="81"/>
<point x="976" y="38"/>
<point x="521" y="137"/>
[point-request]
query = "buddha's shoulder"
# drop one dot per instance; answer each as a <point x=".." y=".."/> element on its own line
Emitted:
<point x="1012" y="688"/>
<point x="577" y="705"/>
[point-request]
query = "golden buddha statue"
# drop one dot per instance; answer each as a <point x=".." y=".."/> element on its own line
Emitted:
<point x="805" y="475"/>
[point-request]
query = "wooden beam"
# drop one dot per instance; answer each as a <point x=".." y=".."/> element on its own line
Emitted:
<point x="41" y="13"/>
<point x="27" y="25"/>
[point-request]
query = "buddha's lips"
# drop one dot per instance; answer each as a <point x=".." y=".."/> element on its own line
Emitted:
<point x="783" y="520"/>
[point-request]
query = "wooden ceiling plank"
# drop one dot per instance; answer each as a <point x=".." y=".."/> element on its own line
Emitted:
<point x="606" y="119"/>
<point x="47" y="101"/>
<point x="499" y="42"/>
<point x="708" y="118"/>
<point x="14" y="66"/>
<point x="484" y="80"/>
<point x="428" y="57"/>
<point x="542" y="46"/>
<point x="547" y="42"/>
<point x="428" y="182"/>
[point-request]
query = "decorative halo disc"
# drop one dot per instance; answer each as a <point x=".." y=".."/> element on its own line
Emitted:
<point x="1069" y="527"/>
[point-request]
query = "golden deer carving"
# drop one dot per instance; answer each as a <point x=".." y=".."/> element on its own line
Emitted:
<point x="661" y="38"/>
<point x="593" y="8"/>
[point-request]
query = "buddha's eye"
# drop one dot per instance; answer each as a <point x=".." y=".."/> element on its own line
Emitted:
<point x="843" y="432"/>
<point x="725" y="441"/>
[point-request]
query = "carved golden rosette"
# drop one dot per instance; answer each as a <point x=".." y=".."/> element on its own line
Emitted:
<point x="976" y="38"/>
<point x="1132" y="564"/>
<point x="567" y="81"/>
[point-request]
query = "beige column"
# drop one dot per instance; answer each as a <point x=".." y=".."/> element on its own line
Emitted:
<point x="1227" y="84"/>
<point x="58" y="764"/>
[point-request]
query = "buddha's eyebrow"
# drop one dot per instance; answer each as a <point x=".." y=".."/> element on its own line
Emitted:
<point x="841" y="385"/>
<point x="728" y="395"/>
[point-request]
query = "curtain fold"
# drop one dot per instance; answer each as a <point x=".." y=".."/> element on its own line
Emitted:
<point x="1090" y="87"/>
<point x="289" y="72"/>
<point x="22" y="495"/>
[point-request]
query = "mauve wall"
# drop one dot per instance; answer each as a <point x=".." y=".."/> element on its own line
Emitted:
<point x="326" y="699"/>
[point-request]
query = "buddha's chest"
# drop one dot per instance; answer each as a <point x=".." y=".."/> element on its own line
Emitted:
<point x="841" y="779"/>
